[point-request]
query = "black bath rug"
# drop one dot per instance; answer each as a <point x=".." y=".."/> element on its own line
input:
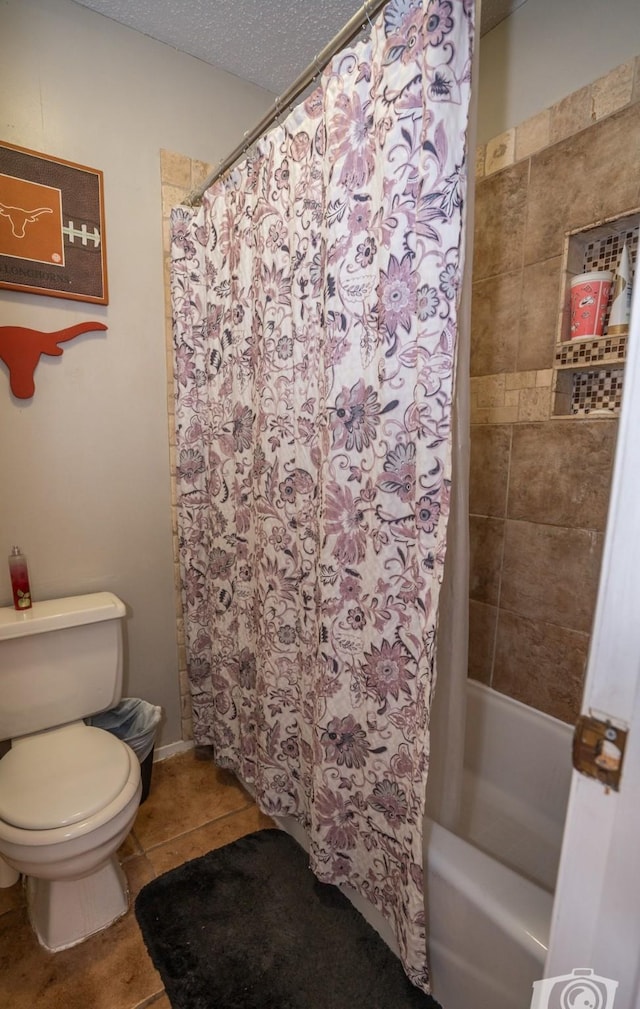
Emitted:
<point x="249" y="926"/>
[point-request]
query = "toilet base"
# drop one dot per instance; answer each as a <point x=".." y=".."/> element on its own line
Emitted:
<point x="8" y="875"/>
<point x="65" y="912"/>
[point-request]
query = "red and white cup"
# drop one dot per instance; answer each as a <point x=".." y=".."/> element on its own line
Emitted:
<point x="589" y="300"/>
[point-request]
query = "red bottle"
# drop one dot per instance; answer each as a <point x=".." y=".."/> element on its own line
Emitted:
<point x="19" y="579"/>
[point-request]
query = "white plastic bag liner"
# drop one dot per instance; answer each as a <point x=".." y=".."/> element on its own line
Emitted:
<point x="132" y="720"/>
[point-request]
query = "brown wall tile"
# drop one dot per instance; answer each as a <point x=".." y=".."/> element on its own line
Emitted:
<point x="561" y="472"/>
<point x="175" y="169"/>
<point x="489" y="390"/>
<point x="500" y="152"/>
<point x="533" y="134"/>
<point x="482" y="633"/>
<point x="540" y="305"/>
<point x="489" y="469"/>
<point x="613" y="91"/>
<point x="535" y="404"/>
<point x="540" y="664"/>
<point x="172" y="196"/>
<point x="635" y="92"/>
<point x="558" y="472"/>
<point x="200" y="172"/>
<point x="571" y="114"/>
<point x="495" y="322"/>
<point x="580" y="181"/>
<point x="486" y="536"/>
<point x="550" y="573"/>
<point x="500" y="210"/>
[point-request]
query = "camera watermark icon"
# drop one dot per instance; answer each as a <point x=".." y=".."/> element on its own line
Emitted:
<point x="582" y="989"/>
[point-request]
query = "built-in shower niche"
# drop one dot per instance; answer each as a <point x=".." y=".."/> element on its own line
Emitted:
<point x="589" y="373"/>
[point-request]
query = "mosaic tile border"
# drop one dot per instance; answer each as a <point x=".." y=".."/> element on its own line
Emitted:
<point x="604" y="253"/>
<point x="597" y="392"/>
<point x="574" y="353"/>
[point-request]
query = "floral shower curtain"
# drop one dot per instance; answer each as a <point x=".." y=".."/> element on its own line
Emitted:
<point x="315" y="297"/>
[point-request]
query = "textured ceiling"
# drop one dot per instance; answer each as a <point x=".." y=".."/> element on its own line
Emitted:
<point x="267" y="42"/>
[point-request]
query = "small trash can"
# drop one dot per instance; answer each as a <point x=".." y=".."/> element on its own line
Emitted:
<point x="135" y="722"/>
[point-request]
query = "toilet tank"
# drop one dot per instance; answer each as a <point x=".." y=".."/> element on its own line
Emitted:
<point x="59" y="661"/>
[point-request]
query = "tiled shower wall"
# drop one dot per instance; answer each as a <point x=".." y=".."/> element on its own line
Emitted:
<point x="539" y="484"/>
<point x="179" y="176"/>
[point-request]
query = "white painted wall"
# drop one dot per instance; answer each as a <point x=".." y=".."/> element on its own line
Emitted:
<point x="84" y="470"/>
<point x="546" y="50"/>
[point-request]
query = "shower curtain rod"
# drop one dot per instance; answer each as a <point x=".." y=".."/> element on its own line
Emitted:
<point x="365" y="13"/>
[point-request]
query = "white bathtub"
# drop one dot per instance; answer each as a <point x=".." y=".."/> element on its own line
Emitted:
<point x="490" y="884"/>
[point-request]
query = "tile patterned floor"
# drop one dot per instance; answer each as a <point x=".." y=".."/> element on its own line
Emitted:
<point x="192" y="808"/>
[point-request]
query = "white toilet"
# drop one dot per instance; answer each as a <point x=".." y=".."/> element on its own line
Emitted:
<point x="69" y="792"/>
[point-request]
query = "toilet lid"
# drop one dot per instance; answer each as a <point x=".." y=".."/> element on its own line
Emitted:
<point x="61" y="777"/>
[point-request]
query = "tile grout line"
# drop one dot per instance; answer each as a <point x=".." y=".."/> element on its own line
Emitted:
<point x="176" y="837"/>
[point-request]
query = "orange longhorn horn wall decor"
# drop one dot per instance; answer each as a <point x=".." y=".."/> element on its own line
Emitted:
<point x="21" y="348"/>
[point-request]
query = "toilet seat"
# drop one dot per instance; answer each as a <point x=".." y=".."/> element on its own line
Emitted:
<point x="61" y="777"/>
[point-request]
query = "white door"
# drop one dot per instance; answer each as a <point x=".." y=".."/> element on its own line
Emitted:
<point x="596" y="915"/>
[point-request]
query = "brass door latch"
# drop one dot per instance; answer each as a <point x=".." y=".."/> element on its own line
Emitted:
<point x="598" y="750"/>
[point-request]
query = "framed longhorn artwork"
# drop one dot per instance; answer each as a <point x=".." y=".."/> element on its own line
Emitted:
<point x="52" y="233"/>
